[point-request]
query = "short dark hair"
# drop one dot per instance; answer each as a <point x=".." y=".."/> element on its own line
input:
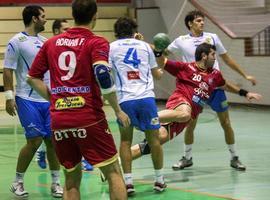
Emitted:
<point x="203" y="48"/>
<point x="125" y="27"/>
<point x="83" y="11"/>
<point x="57" y="24"/>
<point x="30" y="11"/>
<point x="191" y="16"/>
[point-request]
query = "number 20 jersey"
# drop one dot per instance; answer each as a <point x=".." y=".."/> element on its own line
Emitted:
<point x="75" y="94"/>
<point x="132" y="61"/>
<point x="192" y="83"/>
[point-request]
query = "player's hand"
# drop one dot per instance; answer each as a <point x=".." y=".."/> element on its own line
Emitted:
<point x="123" y="118"/>
<point x="251" y="95"/>
<point x="11" y="107"/>
<point x="251" y="79"/>
<point x="138" y="36"/>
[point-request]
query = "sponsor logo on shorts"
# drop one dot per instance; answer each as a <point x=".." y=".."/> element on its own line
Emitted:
<point x="155" y="121"/>
<point x="69" y="102"/>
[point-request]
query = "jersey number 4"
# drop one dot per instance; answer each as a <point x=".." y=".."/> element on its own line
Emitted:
<point x="131" y="58"/>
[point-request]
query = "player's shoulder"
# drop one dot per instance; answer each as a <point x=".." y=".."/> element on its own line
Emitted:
<point x="210" y="34"/>
<point x="19" y="37"/>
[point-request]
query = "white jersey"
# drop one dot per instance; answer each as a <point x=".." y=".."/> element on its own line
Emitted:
<point x="132" y="61"/>
<point x="185" y="45"/>
<point x="20" y="53"/>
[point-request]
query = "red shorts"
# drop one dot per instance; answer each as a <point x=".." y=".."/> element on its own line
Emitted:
<point x="95" y="143"/>
<point x="175" y="128"/>
<point x="177" y="99"/>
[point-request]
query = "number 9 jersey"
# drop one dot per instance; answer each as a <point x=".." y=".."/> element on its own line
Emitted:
<point x="75" y="94"/>
<point x="132" y="61"/>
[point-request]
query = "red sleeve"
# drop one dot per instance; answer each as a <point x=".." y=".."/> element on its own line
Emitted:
<point x="173" y="67"/>
<point x="100" y="50"/>
<point x="40" y="65"/>
<point x="220" y="81"/>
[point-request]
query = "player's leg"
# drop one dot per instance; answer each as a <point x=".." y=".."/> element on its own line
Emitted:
<point x="72" y="183"/>
<point x="69" y="155"/>
<point x="180" y="114"/>
<point x="98" y="148"/>
<point x="186" y="161"/>
<point x="117" y="187"/>
<point x="157" y="158"/>
<point x="126" y="157"/>
<point x="54" y="165"/>
<point x="29" y="118"/>
<point x="26" y="154"/>
<point x="218" y="103"/>
<point x="149" y="123"/>
<point x="143" y="147"/>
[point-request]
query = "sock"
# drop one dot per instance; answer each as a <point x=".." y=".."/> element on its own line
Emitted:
<point x="231" y="148"/>
<point x="188" y="151"/>
<point x="55" y="176"/>
<point x="19" y="177"/>
<point x="128" y="179"/>
<point x="159" y="176"/>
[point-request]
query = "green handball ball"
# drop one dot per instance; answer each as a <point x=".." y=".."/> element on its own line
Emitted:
<point x="161" y="41"/>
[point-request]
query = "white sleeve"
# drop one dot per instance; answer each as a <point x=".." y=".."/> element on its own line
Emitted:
<point x="219" y="46"/>
<point x="110" y="57"/>
<point x="152" y="58"/>
<point x="11" y="55"/>
<point x="174" y="47"/>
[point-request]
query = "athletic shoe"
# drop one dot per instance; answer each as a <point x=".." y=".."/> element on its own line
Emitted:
<point x="183" y="163"/>
<point x="235" y="163"/>
<point x="86" y="166"/>
<point x="41" y="159"/>
<point x="130" y="189"/>
<point x="159" y="187"/>
<point x="18" y="189"/>
<point x="56" y="190"/>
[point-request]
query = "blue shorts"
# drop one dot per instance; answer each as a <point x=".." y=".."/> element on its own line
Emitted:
<point x="34" y="118"/>
<point x="142" y="113"/>
<point x="218" y="101"/>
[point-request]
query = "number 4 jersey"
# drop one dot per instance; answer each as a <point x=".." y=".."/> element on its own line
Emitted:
<point x="132" y="61"/>
<point x="75" y="94"/>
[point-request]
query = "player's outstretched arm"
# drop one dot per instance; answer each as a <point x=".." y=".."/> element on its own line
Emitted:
<point x="230" y="87"/>
<point x="39" y="86"/>
<point x="235" y="66"/>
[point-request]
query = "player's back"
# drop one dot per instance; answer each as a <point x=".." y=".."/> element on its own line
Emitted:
<point x="75" y="92"/>
<point x="132" y="61"/>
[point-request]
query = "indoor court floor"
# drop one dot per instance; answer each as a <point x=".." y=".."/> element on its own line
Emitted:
<point x="210" y="177"/>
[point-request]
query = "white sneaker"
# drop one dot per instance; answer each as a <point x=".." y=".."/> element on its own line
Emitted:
<point x="56" y="190"/>
<point x="18" y="189"/>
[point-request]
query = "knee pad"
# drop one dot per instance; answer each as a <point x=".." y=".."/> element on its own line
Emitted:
<point x="144" y="148"/>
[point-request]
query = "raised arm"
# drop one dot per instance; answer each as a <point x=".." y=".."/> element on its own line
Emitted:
<point x="236" y="67"/>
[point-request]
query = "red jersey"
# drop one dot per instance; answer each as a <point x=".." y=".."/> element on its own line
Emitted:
<point x="193" y="84"/>
<point x="75" y="94"/>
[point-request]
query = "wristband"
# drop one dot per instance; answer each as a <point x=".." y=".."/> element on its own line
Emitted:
<point x="243" y="92"/>
<point x="9" y="94"/>
<point x="157" y="53"/>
